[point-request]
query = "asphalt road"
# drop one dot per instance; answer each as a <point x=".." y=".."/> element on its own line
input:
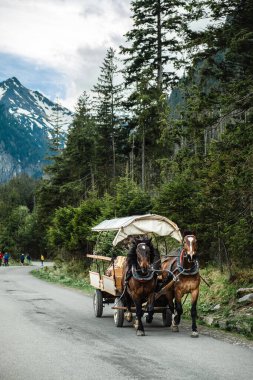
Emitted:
<point x="49" y="332"/>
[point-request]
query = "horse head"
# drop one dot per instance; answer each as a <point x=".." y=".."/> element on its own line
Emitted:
<point x="143" y="255"/>
<point x="190" y="246"/>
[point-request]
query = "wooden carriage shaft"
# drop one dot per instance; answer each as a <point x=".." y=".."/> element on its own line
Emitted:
<point x="156" y="308"/>
<point x="97" y="257"/>
<point x="164" y="289"/>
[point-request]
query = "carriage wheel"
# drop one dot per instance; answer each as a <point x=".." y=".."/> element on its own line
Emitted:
<point x="98" y="303"/>
<point x="118" y="313"/>
<point x="167" y="317"/>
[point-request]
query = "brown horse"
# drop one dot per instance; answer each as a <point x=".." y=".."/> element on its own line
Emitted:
<point x="186" y="268"/>
<point x="140" y="287"/>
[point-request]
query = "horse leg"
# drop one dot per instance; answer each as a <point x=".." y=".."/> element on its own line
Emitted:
<point x="150" y="308"/>
<point x="179" y="312"/>
<point x="194" y="296"/>
<point x="138" y="323"/>
<point x="169" y="297"/>
<point x="128" y="314"/>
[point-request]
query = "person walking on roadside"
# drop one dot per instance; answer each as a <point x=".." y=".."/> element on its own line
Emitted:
<point x="22" y="258"/>
<point x="42" y="260"/>
<point x="28" y="258"/>
<point x="6" y="259"/>
<point x="1" y="258"/>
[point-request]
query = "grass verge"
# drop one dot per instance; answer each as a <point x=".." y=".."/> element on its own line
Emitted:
<point x="71" y="274"/>
<point x="218" y="304"/>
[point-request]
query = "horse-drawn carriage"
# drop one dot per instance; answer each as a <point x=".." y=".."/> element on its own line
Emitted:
<point x="148" y="290"/>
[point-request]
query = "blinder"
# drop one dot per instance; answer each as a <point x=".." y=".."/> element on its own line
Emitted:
<point x="143" y="253"/>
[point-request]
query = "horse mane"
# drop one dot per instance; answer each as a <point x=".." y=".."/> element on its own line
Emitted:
<point x="146" y="241"/>
<point x="143" y="239"/>
<point x="188" y="232"/>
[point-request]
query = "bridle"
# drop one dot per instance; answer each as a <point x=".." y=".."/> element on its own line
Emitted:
<point x="190" y="255"/>
<point x="143" y="274"/>
<point x="140" y="250"/>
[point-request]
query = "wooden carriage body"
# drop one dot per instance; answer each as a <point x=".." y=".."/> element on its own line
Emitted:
<point x="109" y="282"/>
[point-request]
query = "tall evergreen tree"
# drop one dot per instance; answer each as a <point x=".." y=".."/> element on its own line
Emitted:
<point x="109" y="120"/>
<point x="80" y="155"/>
<point x="149" y="108"/>
<point x="154" y="40"/>
<point x="56" y="142"/>
<point x="153" y="55"/>
<point x="73" y="173"/>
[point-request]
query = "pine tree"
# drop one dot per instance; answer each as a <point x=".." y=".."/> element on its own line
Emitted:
<point x="153" y="55"/>
<point x="80" y="154"/>
<point x="154" y="40"/>
<point x="76" y="172"/>
<point x="109" y="120"/>
<point x="56" y="142"/>
<point x="72" y="172"/>
<point x="149" y="110"/>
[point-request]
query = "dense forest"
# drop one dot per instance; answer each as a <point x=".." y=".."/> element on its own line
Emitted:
<point x="168" y="129"/>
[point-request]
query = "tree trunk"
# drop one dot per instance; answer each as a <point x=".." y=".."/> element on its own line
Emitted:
<point x="113" y="138"/>
<point x="143" y="159"/>
<point x="159" y="47"/>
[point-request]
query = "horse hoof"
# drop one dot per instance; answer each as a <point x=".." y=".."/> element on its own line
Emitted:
<point x="140" y="333"/>
<point x="194" y="334"/>
<point x="175" y="328"/>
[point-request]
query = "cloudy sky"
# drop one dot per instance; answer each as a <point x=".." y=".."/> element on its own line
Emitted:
<point x="57" y="46"/>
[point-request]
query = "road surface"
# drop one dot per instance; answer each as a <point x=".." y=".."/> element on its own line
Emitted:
<point x="49" y="332"/>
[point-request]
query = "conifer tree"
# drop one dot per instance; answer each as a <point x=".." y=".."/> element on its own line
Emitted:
<point x="109" y="122"/>
<point x="56" y="142"/>
<point x="153" y="53"/>
<point x="79" y="157"/>
<point x="75" y="170"/>
<point x="153" y="40"/>
<point x="149" y="110"/>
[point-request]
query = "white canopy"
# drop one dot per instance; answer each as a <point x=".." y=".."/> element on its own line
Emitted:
<point x="140" y="225"/>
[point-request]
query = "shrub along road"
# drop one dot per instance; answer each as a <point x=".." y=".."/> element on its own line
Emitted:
<point x="49" y="332"/>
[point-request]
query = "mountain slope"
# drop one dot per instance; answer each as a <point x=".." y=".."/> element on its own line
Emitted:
<point x="27" y="119"/>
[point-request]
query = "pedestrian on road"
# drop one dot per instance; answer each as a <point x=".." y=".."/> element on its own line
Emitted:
<point x="1" y="258"/>
<point x="42" y="260"/>
<point x="22" y="258"/>
<point x="28" y="258"/>
<point x="6" y="259"/>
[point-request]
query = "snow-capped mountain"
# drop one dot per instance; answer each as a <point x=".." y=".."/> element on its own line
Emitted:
<point x="27" y="119"/>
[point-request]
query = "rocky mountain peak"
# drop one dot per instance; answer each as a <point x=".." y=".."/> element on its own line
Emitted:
<point x="27" y="120"/>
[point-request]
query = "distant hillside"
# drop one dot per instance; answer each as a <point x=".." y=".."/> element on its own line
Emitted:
<point x="26" y="122"/>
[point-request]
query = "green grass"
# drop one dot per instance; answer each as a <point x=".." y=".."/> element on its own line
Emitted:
<point x="230" y="316"/>
<point x="71" y="275"/>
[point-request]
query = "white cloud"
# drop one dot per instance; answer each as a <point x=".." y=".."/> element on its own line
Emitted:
<point x="70" y="36"/>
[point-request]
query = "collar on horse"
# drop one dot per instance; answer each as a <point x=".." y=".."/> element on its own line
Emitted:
<point x="140" y="277"/>
<point x="180" y="267"/>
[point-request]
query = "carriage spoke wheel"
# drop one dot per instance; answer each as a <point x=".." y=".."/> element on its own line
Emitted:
<point x="167" y="317"/>
<point x="118" y="313"/>
<point x="98" y="303"/>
